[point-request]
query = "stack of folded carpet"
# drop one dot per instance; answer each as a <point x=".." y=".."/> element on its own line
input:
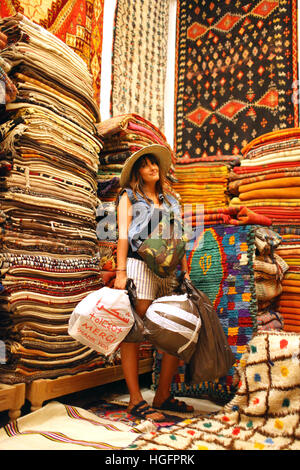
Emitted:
<point x="269" y="270"/>
<point x="268" y="179"/>
<point x="49" y="164"/>
<point x="268" y="182"/>
<point x="202" y="184"/>
<point x="289" y="301"/>
<point x="122" y="136"/>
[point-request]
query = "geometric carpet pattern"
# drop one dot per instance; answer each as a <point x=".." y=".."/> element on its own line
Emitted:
<point x="263" y="415"/>
<point x="236" y="74"/>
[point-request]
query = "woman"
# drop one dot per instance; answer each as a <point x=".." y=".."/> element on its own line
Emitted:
<point x="141" y="198"/>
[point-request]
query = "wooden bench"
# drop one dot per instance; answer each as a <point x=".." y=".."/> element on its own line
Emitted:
<point x="45" y="389"/>
<point x="12" y="398"/>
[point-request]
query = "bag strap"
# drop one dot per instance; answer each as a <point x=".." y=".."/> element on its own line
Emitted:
<point x="131" y="289"/>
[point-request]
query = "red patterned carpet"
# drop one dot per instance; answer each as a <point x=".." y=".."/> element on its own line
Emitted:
<point x="236" y="65"/>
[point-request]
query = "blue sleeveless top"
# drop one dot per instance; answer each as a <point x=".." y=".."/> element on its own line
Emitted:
<point x="145" y="217"/>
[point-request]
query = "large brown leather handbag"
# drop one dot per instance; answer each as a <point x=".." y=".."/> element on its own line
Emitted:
<point x="213" y="357"/>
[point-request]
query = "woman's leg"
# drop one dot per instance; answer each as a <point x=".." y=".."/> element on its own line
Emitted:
<point x="169" y="365"/>
<point x="129" y="358"/>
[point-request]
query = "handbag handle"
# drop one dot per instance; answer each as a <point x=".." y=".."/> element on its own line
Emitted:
<point x="131" y="289"/>
<point x="186" y="286"/>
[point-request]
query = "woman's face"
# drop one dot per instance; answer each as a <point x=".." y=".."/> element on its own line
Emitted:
<point x="149" y="170"/>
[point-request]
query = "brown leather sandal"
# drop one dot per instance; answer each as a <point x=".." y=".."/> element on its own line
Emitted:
<point x="143" y="410"/>
<point x="172" y="404"/>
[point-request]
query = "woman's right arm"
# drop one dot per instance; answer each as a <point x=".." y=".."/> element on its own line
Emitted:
<point x="124" y="220"/>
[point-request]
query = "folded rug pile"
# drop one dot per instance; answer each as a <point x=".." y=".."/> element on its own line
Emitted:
<point x="203" y="188"/>
<point x="123" y="135"/>
<point x="268" y="179"/>
<point x="202" y="184"/>
<point x="289" y="301"/>
<point x="268" y="182"/>
<point x="49" y="163"/>
<point x="269" y="271"/>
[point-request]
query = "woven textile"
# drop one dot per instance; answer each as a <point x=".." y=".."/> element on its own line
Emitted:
<point x="122" y="136"/>
<point x="62" y="427"/>
<point x="236" y="65"/>
<point x="289" y="301"/>
<point x="49" y="253"/>
<point x="79" y="23"/>
<point x="220" y="265"/>
<point x="140" y="58"/>
<point x="268" y="179"/>
<point x="263" y="415"/>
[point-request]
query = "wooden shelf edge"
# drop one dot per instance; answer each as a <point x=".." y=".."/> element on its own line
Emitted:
<point x="45" y="389"/>
<point x="12" y="398"/>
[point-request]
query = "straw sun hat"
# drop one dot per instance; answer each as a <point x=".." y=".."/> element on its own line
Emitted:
<point x="162" y="154"/>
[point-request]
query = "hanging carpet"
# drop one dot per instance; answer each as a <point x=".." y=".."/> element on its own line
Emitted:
<point x="236" y="69"/>
<point x="140" y="58"/>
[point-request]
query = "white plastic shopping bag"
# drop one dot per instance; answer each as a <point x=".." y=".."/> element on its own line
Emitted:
<point x="102" y="320"/>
